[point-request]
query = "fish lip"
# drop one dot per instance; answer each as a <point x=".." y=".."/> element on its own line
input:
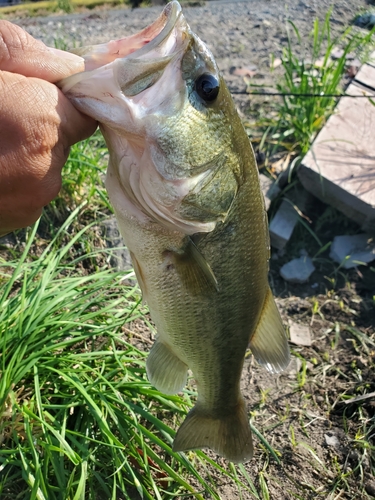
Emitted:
<point x="172" y="12"/>
<point x="163" y="26"/>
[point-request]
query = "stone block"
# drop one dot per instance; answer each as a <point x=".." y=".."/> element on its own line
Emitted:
<point x="297" y="270"/>
<point x="354" y="250"/>
<point x="269" y="189"/>
<point x="340" y="166"/>
<point x="366" y="76"/>
<point x="283" y="224"/>
<point x="300" y="334"/>
<point x="287" y="216"/>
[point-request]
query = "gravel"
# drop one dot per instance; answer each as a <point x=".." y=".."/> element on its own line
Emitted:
<point x="239" y="33"/>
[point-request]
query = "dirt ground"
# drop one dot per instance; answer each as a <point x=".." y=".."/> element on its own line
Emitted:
<point x="325" y="444"/>
<point x="239" y="33"/>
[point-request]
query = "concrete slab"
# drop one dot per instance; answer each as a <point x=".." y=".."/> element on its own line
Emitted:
<point x="340" y="166"/>
<point x="366" y="76"/>
<point x="286" y="218"/>
<point x="371" y="59"/>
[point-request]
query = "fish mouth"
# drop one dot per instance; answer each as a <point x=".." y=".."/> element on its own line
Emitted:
<point x="135" y="88"/>
<point x="160" y="42"/>
<point x="138" y="45"/>
<point x="162" y="28"/>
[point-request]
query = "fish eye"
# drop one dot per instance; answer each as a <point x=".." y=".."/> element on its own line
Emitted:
<point x="207" y="87"/>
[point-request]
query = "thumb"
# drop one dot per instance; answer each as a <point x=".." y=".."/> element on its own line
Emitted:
<point x="21" y="53"/>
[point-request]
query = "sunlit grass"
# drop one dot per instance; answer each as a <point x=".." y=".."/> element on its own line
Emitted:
<point x="78" y="417"/>
<point x="307" y="85"/>
<point x="50" y="6"/>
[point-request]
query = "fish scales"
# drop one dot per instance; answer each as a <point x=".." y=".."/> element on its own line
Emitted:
<point x="184" y="185"/>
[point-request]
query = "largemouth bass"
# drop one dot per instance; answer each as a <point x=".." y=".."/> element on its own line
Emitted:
<point x="184" y="185"/>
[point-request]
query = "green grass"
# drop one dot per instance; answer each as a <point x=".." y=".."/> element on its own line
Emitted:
<point x="78" y="417"/>
<point x="47" y="7"/>
<point x="84" y="173"/>
<point x="299" y="117"/>
<point x="82" y="184"/>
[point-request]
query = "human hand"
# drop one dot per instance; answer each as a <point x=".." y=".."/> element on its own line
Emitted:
<point x="37" y="127"/>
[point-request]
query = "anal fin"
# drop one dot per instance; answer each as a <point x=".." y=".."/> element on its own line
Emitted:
<point x="229" y="436"/>
<point x="269" y="343"/>
<point x="165" y="370"/>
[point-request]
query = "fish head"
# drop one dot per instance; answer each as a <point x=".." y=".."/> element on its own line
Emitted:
<point x="169" y="122"/>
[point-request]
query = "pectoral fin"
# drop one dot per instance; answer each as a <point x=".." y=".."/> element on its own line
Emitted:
<point x="269" y="343"/>
<point x="165" y="370"/>
<point x="194" y="270"/>
<point x="140" y="276"/>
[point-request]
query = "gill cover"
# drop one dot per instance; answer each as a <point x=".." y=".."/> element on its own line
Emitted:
<point x="137" y="88"/>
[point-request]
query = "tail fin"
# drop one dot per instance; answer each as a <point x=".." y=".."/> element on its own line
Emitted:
<point x="229" y="436"/>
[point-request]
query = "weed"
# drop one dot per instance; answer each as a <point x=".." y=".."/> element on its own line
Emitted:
<point x="301" y="375"/>
<point x="65" y="5"/>
<point x="77" y="412"/>
<point x="292" y="436"/>
<point x="263" y="487"/>
<point x="300" y="117"/>
<point x="263" y="396"/>
<point x="78" y="416"/>
<point x="47" y="7"/>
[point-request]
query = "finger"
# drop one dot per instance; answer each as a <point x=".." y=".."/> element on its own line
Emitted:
<point x="38" y="124"/>
<point x="23" y="54"/>
<point x="38" y="114"/>
<point x="74" y="125"/>
<point x="10" y="220"/>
